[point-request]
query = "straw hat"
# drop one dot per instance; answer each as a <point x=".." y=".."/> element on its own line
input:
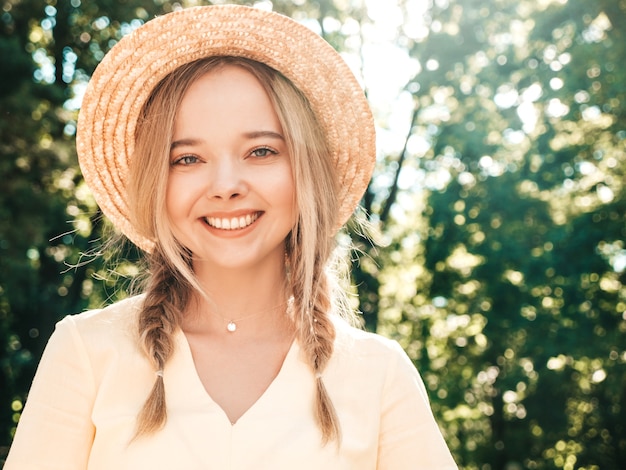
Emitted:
<point x="124" y="79"/>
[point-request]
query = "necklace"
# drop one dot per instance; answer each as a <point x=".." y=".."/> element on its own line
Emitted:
<point x="231" y="323"/>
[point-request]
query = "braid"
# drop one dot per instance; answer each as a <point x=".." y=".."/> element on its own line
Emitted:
<point x="322" y="332"/>
<point x="166" y="296"/>
<point x="316" y="334"/>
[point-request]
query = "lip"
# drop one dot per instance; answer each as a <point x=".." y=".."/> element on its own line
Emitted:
<point x="231" y="223"/>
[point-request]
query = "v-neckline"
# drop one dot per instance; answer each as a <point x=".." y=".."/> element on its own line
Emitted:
<point x="190" y="374"/>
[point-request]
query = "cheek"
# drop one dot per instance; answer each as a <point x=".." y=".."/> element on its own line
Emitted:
<point x="169" y="197"/>
<point x="285" y="190"/>
<point x="177" y="196"/>
<point x="291" y="207"/>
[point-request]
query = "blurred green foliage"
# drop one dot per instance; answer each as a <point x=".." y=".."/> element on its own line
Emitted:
<point x="500" y="210"/>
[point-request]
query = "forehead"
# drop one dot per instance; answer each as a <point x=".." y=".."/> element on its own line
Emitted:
<point x="224" y="97"/>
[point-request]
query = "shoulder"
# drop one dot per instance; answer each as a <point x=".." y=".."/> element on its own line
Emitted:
<point x="98" y="342"/>
<point x="373" y="371"/>
<point x="351" y="340"/>
<point x="99" y="331"/>
<point x="121" y="315"/>
<point x="368" y="359"/>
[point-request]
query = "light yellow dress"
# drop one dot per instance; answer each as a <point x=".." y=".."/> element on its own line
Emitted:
<point x="93" y="380"/>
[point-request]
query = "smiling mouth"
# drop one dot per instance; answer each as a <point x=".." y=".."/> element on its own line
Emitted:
<point x="232" y="223"/>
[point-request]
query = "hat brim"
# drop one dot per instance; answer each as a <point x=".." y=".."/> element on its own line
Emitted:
<point x="125" y="78"/>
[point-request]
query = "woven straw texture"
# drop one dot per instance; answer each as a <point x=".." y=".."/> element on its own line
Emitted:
<point x="124" y="79"/>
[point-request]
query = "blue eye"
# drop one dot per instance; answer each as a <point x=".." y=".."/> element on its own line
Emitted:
<point x="186" y="160"/>
<point x="263" y="152"/>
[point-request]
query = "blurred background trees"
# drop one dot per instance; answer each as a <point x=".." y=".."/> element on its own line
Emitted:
<point x="498" y="205"/>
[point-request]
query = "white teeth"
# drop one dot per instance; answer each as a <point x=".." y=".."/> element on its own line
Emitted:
<point x="232" y="223"/>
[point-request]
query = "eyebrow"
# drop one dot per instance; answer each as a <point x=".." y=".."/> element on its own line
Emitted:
<point x="270" y="134"/>
<point x="184" y="143"/>
<point x="249" y="135"/>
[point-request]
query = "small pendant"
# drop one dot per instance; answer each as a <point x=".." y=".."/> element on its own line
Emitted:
<point x="231" y="326"/>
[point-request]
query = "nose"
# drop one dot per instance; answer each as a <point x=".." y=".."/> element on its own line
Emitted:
<point x="227" y="181"/>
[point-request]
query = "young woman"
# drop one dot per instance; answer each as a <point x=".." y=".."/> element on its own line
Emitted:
<point x="230" y="144"/>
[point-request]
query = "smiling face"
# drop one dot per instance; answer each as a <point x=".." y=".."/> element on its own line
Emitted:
<point x="230" y="194"/>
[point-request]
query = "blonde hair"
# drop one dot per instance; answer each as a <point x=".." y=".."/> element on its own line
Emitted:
<point x="309" y="246"/>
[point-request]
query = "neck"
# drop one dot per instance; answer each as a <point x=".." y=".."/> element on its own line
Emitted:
<point x="240" y="302"/>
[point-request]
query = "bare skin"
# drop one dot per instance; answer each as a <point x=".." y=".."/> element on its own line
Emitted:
<point x="236" y="369"/>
